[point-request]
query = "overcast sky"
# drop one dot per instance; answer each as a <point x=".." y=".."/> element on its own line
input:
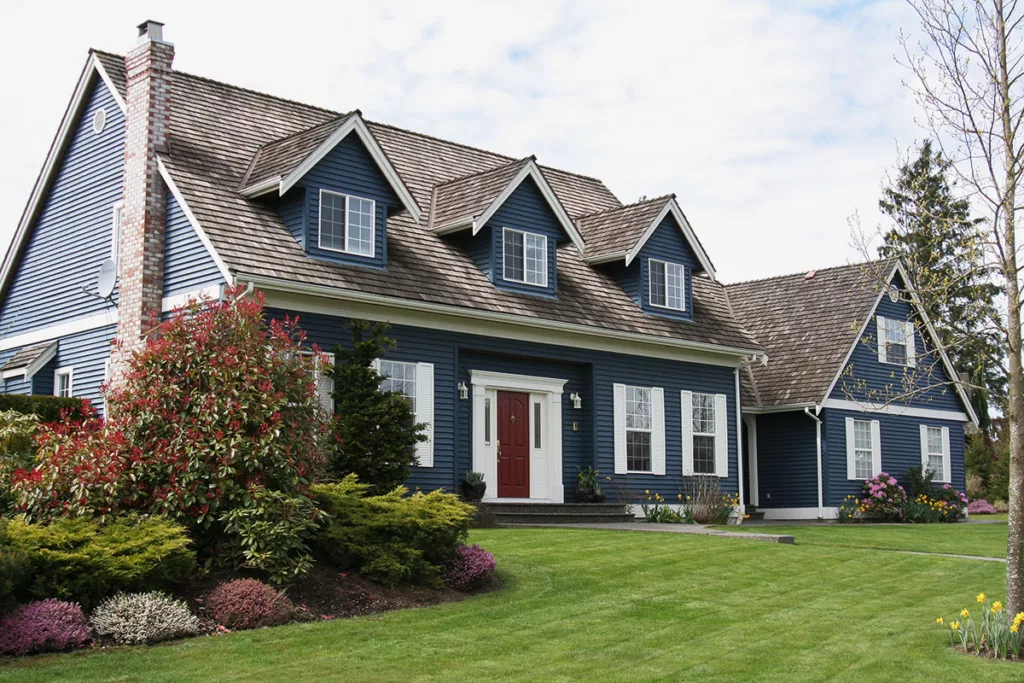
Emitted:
<point x="773" y="122"/>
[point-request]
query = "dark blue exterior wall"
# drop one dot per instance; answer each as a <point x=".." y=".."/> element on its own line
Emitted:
<point x="527" y="210"/>
<point x="347" y="169"/>
<point x="72" y="234"/>
<point x="592" y="442"/>
<point x="188" y="264"/>
<point x="787" y="460"/>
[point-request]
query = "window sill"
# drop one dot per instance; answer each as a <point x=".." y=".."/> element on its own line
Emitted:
<point x="668" y="308"/>
<point x="644" y="472"/>
<point x="343" y="251"/>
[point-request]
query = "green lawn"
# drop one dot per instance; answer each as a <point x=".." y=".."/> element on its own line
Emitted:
<point x="614" y="605"/>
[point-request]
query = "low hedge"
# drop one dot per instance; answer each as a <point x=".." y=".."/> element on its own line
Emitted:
<point x="393" y="538"/>
<point x="46" y="408"/>
<point x="84" y="561"/>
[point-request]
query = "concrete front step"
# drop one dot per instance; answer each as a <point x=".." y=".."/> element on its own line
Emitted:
<point x="546" y="518"/>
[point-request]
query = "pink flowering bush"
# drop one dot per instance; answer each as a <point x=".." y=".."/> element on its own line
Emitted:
<point x="981" y="507"/>
<point x="248" y="603"/>
<point x="471" y="565"/>
<point x="44" y="626"/>
<point x="883" y="497"/>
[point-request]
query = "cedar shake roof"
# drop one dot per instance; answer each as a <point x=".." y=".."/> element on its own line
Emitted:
<point x="613" y="232"/>
<point x="807" y="325"/>
<point x="280" y="157"/>
<point x="217" y="129"/>
<point x="27" y="355"/>
<point x="462" y="200"/>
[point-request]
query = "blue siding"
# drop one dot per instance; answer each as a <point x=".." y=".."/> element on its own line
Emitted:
<point x="348" y="169"/>
<point x="188" y="264"/>
<point x="787" y="461"/>
<point x="888" y="378"/>
<point x="526" y="210"/>
<point x="455" y="354"/>
<point x="72" y="234"/>
<point x="480" y="248"/>
<point x="292" y="208"/>
<point x="901" y="449"/>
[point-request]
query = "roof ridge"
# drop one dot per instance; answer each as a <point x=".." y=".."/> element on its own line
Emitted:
<point x="485" y="171"/>
<point x="805" y="272"/>
<point x="628" y="206"/>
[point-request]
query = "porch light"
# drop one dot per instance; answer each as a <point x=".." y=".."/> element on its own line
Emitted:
<point x="577" y="400"/>
<point x="463" y="391"/>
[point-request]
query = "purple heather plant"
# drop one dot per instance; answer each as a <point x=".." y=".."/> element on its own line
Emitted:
<point x="981" y="507"/>
<point x="470" y="565"/>
<point x="44" y="626"/>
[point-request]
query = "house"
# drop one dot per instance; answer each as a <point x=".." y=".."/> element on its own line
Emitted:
<point x="542" y="325"/>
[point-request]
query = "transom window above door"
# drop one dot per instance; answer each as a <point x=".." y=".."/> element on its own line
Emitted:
<point x="346" y="224"/>
<point x="524" y="257"/>
<point x="667" y="288"/>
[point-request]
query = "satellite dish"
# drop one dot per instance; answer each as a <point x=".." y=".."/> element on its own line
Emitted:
<point x="106" y="278"/>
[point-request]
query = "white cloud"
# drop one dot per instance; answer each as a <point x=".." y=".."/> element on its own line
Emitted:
<point x="772" y="122"/>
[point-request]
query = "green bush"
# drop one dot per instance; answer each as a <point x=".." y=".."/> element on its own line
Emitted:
<point x="393" y="538"/>
<point x="17" y="451"/>
<point x="15" y="571"/>
<point x="47" y="408"/>
<point x="84" y="561"/>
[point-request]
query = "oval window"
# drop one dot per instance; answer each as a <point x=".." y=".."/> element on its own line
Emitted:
<point x="99" y="120"/>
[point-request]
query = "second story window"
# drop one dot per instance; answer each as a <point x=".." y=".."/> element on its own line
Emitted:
<point x="667" y="285"/>
<point x="525" y="257"/>
<point x="346" y="224"/>
<point x="896" y="341"/>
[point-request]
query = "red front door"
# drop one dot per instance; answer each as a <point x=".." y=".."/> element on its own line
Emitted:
<point x="513" y="445"/>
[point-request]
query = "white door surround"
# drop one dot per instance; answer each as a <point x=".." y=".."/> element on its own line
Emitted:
<point x="545" y="461"/>
<point x="751" y="423"/>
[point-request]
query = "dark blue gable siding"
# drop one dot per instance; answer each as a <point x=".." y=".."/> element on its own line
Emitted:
<point x="901" y="449"/>
<point x="347" y="169"/>
<point x="787" y="461"/>
<point x="864" y="371"/>
<point x="188" y="264"/>
<point x="72" y="234"/>
<point x="526" y="210"/>
<point x="591" y="442"/>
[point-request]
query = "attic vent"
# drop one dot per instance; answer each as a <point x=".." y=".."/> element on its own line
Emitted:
<point x="810" y="274"/>
<point x="99" y="120"/>
<point x="894" y="293"/>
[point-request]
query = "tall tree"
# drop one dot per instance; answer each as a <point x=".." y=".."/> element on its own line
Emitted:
<point x="932" y="232"/>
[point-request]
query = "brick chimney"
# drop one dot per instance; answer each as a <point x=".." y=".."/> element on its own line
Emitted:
<point x="141" y="255"/>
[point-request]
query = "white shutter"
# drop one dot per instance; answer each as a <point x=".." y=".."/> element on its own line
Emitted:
<point x="947" y="474"/>
<point x="325" y="383"/>
<point x="721" y="436"/>
<point x="876" y="447"/>
<point x="851" y="452"/>
<point x="658" y="435"/>
<point x="619" y="420"/>
<point x="375" y="364"/>
<point x="908" y="340"/>
<point x="924" y="448"/>
<point x="686" y="398"/>
<point x="425" y="412"/>
<point x="880" y="333"/>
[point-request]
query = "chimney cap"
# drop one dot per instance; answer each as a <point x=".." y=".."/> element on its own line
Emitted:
<point x="151" y="30"/>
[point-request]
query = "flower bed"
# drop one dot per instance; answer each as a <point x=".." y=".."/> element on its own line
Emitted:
<point x="989" y="630"/>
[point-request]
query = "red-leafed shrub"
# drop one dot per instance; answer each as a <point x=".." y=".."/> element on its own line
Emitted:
<point x="44" y="626"/>
<point x="218" y="408"/>
<point x="470" y="566"/>
<point x="247" y="603"/>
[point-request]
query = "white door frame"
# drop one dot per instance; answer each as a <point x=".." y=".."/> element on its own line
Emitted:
<point x="751" y="421"/>
<point x="546" y="461"/>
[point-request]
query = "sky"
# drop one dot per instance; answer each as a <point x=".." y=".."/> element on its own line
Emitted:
<point x="773" y="122"/>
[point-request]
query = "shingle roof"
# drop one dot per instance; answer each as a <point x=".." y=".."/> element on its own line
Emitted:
<point x="807" y="325"/>
<point x="464" y="199"/>
<point x="27" y="355"/>
<point x="216" y="129"/>
<point x="279" y="157"/>
<point x="613" y="232"/>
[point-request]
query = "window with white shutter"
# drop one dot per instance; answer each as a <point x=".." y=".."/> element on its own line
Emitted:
<point x="705" y="434"/>
<point x="414" y="381"/>
<point x="935" y="456"/>
<point x="863" y="448"/>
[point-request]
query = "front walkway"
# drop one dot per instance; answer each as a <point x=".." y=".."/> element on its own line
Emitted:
<point x="699" y="529"/>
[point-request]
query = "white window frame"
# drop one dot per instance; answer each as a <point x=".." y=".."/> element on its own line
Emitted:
<point x="423" y="406"/>
<point x="721" y="434"/>
<point x="387" y="377"/>
<point x="68" y="372"/>
<point x="347" y="235"/>
<point x="944" y="453"/>
<point x="875" y="431"/>
<point x="117" y="212"/>
<point x="713" y="433"/>
<point x="543" y="262"/>
<point x="664" y="265"/>
<point x="650" y="430"/>
<point x="909" y="342"/>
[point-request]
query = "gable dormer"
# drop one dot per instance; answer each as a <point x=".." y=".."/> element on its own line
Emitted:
<point x="510" y="222"/>
<point x="334" y="188"/>
<point x="651" y="250"/>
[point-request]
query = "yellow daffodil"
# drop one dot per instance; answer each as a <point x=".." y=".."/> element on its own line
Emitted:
<point x="964" y="613"/>
<point x="981" y="597"/>
<point x="1014" y="627"/>
<point x="940" y="620"/>
<point x="997" y="607"/>
<point x="647" y="491"/>
<point x="955" y="625"/>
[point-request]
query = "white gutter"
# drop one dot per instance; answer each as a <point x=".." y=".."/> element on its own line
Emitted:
<point x="739" y="442"/>
<point x="817" y="430"/>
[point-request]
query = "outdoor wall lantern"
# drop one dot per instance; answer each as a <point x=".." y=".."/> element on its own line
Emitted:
<point x="577" y="400"/>
<point x="463" y="391"/>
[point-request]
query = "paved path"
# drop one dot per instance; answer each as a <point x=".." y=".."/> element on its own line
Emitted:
<point x="699" y="529"/>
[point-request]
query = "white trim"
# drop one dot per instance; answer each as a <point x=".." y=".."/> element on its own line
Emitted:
<point x="766" y="410"/>
<point x="682" y="284"/>
<point x="203" y="237"/>
<point x="755" y="493"/>
<point x="739" y="442"/>
<point x="345" y="226"/>
<point x="117" y="214"/>
<point x="66" y="371"/>
<point x="425" y="390"/>
<point x="927" y="413"/>
<point x="354" y="123"/>
<point x="524" y="233"/>
<point x="169" y="303"/>
<point x="817" y="443"/>
<point x="800" y="513"/>
<point x="671" y="206"/>
<point x="98" y="65"/>
<point x="521" y="383"/>
<point x="511" y="326"/>
<point x="107" y="317"/>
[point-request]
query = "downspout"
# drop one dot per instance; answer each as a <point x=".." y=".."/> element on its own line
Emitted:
<point x="817" y="431"/>
<point x="739" y="441"/>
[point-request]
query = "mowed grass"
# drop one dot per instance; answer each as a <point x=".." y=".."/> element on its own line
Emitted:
<point x="616" y="606"/>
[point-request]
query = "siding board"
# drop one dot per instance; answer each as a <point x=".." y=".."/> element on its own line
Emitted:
<point x="787" y="461"/>
<point x="188" y="264"/>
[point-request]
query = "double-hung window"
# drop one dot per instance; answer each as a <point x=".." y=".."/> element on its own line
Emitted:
<point x="524" y="257"/>
<point x="401" y="378"/>
<point x="346" y="223"/>
<point x="935" y="452"/>
<point x="704" y="433"/>
<point x="862" y="452"/>
<point x="863" y="448"/>
<point x="639" y="426"/>
<point x="63" y="382"/>
<point x="667" y="286"/>
<point x="896" y="341"/>
<point x="415" y="382"/>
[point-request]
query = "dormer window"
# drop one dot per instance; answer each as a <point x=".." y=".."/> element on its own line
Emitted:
<point x="667" y="285"/>
<point x="346" y="224"/>
<point x="525" y="257"/>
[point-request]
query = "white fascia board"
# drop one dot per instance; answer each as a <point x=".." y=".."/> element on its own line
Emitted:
<point x="672" y="206"/>
<point x="203" y="237"/>
<point x="765" y="410"/>
<point x="169" y="303"/>
<point x="45" y="357"/>
<point x="264" y="187"/>
<point x="91" y="322"/>
<point x="322" y="299"/>
<point x="110" y="85"/>
<point x="355" y="123"/>
<point x="897" y="410"/>
<point x="607" y="258"/>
